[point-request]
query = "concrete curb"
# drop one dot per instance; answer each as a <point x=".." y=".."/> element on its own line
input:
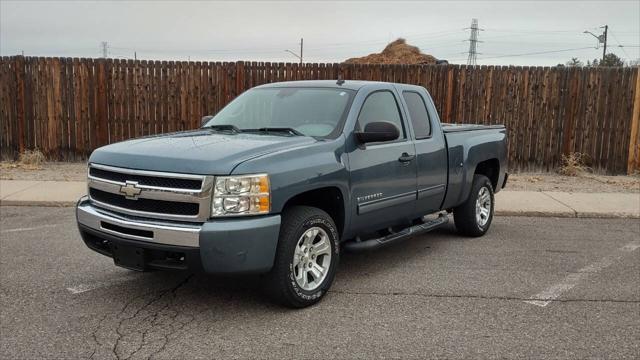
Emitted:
<point x="568" y="205"/>
<point x="588" y="215"/>
<point x="38" y="203"/>
<point x="535" y="213"/>
<point x="41" y="193"/>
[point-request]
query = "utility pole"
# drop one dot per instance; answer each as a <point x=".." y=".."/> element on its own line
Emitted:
<point x="301" y="49"/>
<point x="604" y="51"/>
<point x="602" y="39"/>
<point x="473" y="42"/>
<point x="105" y="52"/>
<point x="302" y="46"/>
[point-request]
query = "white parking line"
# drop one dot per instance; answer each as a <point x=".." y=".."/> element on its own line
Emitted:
<point x="28" y="228"/>
<point x="84" y="288"/>
<point x="553" y="292"/>
<point x="81" y="288"/>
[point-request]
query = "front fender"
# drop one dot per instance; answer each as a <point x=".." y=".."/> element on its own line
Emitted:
<point x="295" y="171"/>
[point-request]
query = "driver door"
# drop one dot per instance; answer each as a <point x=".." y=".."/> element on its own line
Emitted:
<point x="383" y="174"/>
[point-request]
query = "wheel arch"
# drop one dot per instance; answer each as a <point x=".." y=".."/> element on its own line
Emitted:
<point x="329" y="199"/>
<point x="489" y="168"/>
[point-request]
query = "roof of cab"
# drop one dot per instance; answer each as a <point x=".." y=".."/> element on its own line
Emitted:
<point x="347" y="84"/>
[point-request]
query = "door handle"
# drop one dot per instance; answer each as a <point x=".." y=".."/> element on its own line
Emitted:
<point x="405" y="157"/>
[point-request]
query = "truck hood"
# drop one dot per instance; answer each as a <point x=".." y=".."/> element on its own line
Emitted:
<point x="193" y="152"/>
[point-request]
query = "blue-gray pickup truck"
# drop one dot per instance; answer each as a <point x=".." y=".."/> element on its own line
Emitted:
<point x="287" y="176"/>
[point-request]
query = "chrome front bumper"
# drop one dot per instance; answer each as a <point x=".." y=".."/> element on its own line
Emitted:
<point x="141" y="230"/>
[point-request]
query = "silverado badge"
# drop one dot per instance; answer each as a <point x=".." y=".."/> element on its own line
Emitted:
<point x="130" y="190"/>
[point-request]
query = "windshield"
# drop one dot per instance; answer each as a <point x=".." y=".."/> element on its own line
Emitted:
<point x="314" y="112"/>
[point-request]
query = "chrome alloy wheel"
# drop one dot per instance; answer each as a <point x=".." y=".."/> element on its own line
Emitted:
<point x="312" y="258"/>
<point x="483" y="206"/>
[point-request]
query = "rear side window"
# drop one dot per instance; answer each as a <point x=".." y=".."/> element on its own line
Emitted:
<point x="381" y="106"/>
<point x="418" y="113"/>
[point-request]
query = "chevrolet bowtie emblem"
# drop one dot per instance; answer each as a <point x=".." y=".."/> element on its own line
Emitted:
<point x="130" y="190"/>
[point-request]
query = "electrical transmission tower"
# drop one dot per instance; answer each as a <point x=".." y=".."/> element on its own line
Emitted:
<point x="104" y="46"/>
<point x="473" y="42"/>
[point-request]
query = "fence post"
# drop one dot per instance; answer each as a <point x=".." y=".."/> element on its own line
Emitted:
<point x="20" y="110"/>
<point x="102" y="128"/>
<point x="449" y="99"/>
<point x="633" y="162"/>
<point x="569" y="122"/>
<point x="239" y="77"/>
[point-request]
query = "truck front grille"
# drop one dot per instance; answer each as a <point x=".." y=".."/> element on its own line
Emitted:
<point x="145" y="205"/>
<point x="166" y="182"/>
<point x="151" y="194"/>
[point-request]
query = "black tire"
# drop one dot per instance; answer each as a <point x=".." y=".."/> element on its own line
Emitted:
<point x="465" y="214"/>
<point x="281" y="282"/>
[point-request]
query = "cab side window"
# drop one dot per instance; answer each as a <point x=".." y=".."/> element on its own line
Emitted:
<point x="418" y="113"/>
<point x="381" y="106"/>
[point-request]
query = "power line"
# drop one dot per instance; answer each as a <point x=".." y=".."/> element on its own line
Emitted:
<point x="362" y="43"/>
<point x="622" y="47"/>
<point x="421" y="36"/>
<point x="521" y="31"/>
<point x="537" y="53"/>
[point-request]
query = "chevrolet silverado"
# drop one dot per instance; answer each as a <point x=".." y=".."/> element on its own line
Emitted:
<point x="285" y="177"/>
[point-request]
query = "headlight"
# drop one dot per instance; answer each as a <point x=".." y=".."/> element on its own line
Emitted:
<point x="241" y="195"/>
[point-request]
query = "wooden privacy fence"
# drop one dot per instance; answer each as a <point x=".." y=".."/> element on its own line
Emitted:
<point x="67" y="107"/>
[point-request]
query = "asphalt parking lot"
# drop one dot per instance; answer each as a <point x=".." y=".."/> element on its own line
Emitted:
<point x="531" y="288"/>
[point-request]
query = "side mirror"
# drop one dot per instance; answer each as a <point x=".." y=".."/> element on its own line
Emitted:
<point x="378" y="131"/>
<point x="205" y="119"/>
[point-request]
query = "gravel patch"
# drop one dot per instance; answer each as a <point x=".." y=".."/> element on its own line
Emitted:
<point x="51" y="171"/>
<point x="588" y="183"/>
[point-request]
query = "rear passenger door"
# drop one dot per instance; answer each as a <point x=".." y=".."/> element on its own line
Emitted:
<point x="431" y="151"/>
<point x="383" y="174"/>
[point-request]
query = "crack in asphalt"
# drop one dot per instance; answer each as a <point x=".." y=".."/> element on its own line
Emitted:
<point x="173" y="331"/>
<point x="95" y="331"/>
<point x="154" y="323"/>
<point x="173" y="291"/>
<point x="481" y="297"/>
<point x="118" y="327"/>
<point x="95" y="337"/>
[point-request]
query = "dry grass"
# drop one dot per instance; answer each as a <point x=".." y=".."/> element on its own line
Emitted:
<point x="28" y="160"/>
<point x="574" y="164"/>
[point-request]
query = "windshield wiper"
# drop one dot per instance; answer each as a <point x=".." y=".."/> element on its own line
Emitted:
<point x="287" y="130"/>
<point x="232" y="128"/>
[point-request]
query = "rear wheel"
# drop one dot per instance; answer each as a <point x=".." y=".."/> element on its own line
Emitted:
<point x="474" y="216"/>
<point x="307" y="257"/>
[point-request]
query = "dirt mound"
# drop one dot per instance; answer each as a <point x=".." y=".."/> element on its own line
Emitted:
<point x="397" y="52"/>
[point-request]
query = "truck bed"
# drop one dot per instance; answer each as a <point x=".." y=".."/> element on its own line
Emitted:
<point x="467" y="144"/>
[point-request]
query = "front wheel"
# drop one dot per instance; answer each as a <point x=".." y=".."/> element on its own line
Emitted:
<point x="474" y="216"/>
<point x="307" y="257"/>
